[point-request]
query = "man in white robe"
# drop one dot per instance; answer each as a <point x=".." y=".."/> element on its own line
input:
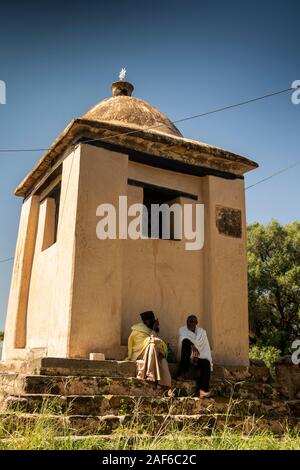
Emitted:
<point x="193" y="345"/>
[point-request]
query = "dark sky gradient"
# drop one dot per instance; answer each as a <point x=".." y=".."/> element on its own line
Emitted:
<point x="184" y="57"/>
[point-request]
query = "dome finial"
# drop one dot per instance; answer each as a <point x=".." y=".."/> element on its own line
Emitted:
<point x="122" y="88"/>
<point x="122" y="74"/>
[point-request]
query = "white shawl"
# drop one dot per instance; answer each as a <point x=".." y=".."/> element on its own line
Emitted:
<point x="199" y="339"/>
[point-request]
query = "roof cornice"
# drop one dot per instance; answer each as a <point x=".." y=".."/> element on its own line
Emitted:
<point x="152" y="142"/>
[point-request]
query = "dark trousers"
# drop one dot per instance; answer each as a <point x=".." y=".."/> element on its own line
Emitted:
<point x="202" y="364"/>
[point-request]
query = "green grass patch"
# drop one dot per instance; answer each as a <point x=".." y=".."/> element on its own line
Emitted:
<point x="50" y="430"/>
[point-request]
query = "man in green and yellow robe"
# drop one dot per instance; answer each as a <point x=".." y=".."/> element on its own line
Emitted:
<point x="150" y="351"/>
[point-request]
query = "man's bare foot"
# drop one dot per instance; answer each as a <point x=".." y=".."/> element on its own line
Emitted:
<point x="203" y="394"/>
<point x="170" y="392"/>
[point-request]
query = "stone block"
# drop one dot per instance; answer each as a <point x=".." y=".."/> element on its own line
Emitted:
<point x="288" y="377"/>
<point x="97" y="357"/>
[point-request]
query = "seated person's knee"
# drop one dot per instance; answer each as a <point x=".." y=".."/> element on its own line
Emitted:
<point x="205" y="363"/>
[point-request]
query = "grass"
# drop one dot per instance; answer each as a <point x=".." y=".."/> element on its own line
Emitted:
<point x="43" y="435"/>
<point x="46" y="433"/>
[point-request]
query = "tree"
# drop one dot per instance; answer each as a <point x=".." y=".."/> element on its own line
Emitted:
<point x="1" y="335"/>
<point x="274" y="284"/>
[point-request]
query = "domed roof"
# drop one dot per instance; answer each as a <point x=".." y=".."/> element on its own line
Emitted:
<point x="153" y="133"/>
<point x="124" y="109"/>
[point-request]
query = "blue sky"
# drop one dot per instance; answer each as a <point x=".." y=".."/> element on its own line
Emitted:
<point x="58" y="59"/>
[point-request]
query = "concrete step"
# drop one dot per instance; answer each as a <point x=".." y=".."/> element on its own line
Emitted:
<point x="124" y="404"/>
<point x="126" y="425"/>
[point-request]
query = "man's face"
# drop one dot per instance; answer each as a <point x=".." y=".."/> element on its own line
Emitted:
<point x="192" y="324"/>
<point x="149" y="323"/>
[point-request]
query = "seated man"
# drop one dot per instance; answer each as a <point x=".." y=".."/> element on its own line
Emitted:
<point x="193" y="343"/>
<point x="149" y="350"/>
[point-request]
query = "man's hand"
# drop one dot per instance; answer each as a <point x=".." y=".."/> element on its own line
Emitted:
<point x="156" y="326"/>
<point x="195" y="355"/>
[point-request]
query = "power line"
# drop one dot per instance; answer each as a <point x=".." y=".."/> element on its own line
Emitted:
<point x="188" y="118"/>
<point x="274" y="174"/>
<point x="6" y="260"/>
<point x="195" y="116"/>
<point x="235" y="105"/>
<point x="23" y="150"/>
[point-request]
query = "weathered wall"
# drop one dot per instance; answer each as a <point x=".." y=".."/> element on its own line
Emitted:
<point x="15" y="327"/>
<point x="225" y="291"/>
<point x="160" y="275"/>
<point x="41" y="299"/>
<point x="288" y="377"/>
<point x="60" y="315"/>
<point x="49" y="304"/>
<point x="47" y="285"/>
<point x="85" y="293"/>
<point x="97" y="288"/>
<point x="212" y="283"/>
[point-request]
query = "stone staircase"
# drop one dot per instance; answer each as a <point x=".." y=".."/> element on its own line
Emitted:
<point x="83" y="397"/>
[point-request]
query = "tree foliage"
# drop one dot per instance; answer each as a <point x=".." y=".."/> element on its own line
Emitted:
<point x="1" y="335"/>
<point x="274" y="284"/>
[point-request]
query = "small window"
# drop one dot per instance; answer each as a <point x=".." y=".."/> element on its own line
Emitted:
<point x="52" y="203"/>
<point x="154" y="226"/>
<point x="170" y="203"/>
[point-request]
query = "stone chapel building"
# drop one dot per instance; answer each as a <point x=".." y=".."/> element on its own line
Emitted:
<point x="73" y="294"/>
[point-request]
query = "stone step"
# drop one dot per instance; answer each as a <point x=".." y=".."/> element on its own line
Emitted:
<point x="71" y="367"/>
<point x="124" y="426"/>
<point x="124" y="404"/>
<point x="231" y="373"/>
<point x="18" y="384"/>
<point x="111" y="368"/>
<point x="78" y="385"/>
<point x="85" y="367"/>
<point x="63" y="366"/>
<point x="244" y="390"/>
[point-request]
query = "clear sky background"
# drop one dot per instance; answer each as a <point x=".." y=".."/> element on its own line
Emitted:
<point x="184" y="57"/>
